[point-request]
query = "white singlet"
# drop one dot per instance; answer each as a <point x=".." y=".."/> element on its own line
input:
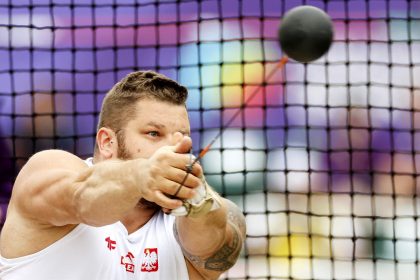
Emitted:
<point x="105" y="253"/>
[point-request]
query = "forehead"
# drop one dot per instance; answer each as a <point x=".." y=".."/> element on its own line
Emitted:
<point x="161" y="113"/>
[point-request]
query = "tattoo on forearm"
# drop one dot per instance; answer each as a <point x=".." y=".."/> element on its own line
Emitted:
<point x="197" y="261"/>
<point x="226" y="256"/>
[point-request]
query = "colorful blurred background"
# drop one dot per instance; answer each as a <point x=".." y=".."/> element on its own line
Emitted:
<point x="324" y="161"/>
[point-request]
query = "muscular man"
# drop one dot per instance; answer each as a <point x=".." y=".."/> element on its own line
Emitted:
<point x="106" y="218"/>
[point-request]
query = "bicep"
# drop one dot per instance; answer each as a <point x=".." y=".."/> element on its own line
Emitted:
<point x="44" y="188"/>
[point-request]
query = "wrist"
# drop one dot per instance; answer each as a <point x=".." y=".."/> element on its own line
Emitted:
<point x="205" y="201"/>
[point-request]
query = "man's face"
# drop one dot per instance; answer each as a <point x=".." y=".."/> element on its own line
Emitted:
<point x="154" y="126"/>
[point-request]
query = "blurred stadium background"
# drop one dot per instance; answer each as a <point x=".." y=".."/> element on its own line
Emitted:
<point x="324" y="161"/>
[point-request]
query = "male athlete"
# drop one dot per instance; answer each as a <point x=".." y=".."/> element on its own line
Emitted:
<point x="130" y="212"/>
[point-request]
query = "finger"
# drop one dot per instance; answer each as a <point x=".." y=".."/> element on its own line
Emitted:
<point x="166" y="202"/>
<point x="194" y="169"/>
<point x="197" y="170"/>
<point x="183" y="146"/>
<point x="175" y="188"/>
<point x="176" y="138"/>
<point x="177" y="160"/>
<point x="181" y="177"/>
<point x="183" y="163"/>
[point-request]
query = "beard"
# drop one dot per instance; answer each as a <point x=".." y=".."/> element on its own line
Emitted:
<point x="124" y="154"/>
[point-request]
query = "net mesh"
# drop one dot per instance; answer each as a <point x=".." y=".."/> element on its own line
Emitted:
<point x="323" y="161"/>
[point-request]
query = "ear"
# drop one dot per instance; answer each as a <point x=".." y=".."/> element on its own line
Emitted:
<point x="107" y="143"/>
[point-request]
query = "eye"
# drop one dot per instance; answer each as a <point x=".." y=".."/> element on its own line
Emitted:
<point x="153" y="133"/>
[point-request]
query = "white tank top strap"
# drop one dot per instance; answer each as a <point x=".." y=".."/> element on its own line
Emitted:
<point x="89" y="161"/>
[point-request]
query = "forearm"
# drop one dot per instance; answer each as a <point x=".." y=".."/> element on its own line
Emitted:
<point x="106" y="191"/>
<point x="201" y="236"/>
<point x="212" y="243"/>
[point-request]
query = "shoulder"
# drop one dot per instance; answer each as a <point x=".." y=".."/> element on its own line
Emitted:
<point x="47" y="165"/>
<point x="56" y="158"/>
<point x="50" y="160"/>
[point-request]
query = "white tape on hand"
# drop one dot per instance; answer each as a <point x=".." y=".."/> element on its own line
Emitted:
<point x="204" y="201"/>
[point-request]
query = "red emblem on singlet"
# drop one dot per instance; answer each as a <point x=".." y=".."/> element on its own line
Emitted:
<point x="127" y="261"/>
<point x="111" y="244"/>
<point x="150" y="262"/>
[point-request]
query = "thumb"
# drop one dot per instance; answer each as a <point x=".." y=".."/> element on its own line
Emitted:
<point x="183" y="146"/>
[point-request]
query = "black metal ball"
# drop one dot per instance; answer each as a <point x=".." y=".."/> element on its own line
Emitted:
<point x="305" y="33"/>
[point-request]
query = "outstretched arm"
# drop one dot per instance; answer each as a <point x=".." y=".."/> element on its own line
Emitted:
<point x="57" y="188"/>
<point x="212" y="243"/>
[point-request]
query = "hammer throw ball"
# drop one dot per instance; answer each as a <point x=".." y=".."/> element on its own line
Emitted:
<point x="305" y="33"/>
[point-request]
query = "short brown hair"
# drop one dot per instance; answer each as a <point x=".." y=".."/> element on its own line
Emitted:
<point x="119" y="105"/>
<point x="120" y="102"/>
